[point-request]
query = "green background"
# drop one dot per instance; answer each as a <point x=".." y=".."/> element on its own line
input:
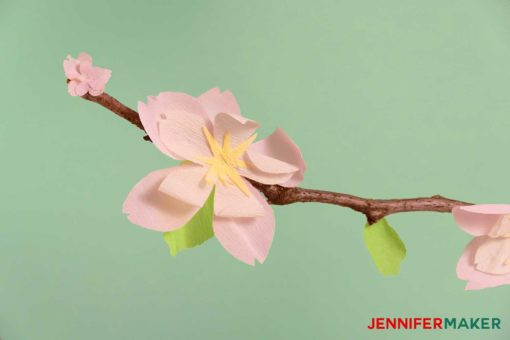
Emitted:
<point x="385" y="98"/>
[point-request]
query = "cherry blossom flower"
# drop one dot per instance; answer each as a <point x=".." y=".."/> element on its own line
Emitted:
<point x="83" y="77"/>
<point x="217" y="147"/>
<point x="485" y="262"/>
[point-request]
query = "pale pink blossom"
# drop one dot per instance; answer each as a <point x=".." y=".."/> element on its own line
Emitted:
<point x="216" y="144"/>
<point x="83" y="77"/>
<point x="485" y="262"/>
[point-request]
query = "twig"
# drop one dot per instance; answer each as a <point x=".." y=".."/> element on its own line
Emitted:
<point x="373" y="209"/>
<point x="118" y="108"/>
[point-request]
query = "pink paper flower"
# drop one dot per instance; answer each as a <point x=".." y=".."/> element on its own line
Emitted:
<point x="216" y="144"/>
<point x="486" y="261"/>
<point x="83" y="77"/>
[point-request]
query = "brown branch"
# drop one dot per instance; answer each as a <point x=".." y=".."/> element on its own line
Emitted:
<point x="373" y="209"/>
<point x="118" y="108"/>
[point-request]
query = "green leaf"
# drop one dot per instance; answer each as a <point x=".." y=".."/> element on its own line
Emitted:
<point x="195" y="232"/>
<point x="385" y="247"/>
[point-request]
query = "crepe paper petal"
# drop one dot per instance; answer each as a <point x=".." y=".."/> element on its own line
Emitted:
<point x="269" y="164"/>
<point x="149" y="208"/>
<point x="214" y="102"/>
<point x="96" y="91"/>
<point x="186" y="183"/>
<point x="385" y="247"/>
<point x="479" y="219"/>
<point x="247" y="239"/>
<point x="240" y="128"/>
<point x="98" y="78"/>
<point x="267" y="170"/>
<point x="156" y="109"/>
<point x="232" y="202"/>
<point x="85" y="61"/>
<point x="263" y="177"/>
<point x="195" y="232"/>
<point x="150" y="122"/>
<point x="493" y="256"/>
<point x="280" y="146"/>
<point x="166" y="102"/>
<point x="71" y="67"/>
<point x="76" y="88"/>
<point x="475" y="286"/>
<point x="501" y="228"/>
<point x="476" y="279"/>
<point x="183" y="134"/>
<point x="84" y="77"/>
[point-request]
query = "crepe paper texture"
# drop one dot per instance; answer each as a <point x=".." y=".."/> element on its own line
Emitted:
<point x="83" y="77"/>
<point x="195" y="232"/>
<point x="485" y="262"/>
<point x="217" y="149"/>
<point x="385" y="247"/>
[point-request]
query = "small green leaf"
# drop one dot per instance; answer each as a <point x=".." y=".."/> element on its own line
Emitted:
<point x="385" y="247"/>
<point x="195" y="232"/>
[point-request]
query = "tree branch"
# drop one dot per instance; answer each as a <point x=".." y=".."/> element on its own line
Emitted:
<point x="373" y="209"/>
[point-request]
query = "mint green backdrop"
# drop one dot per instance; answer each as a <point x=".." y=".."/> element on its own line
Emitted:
<point x="385" y="98"/>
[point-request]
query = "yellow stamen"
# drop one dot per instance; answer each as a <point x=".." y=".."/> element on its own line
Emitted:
<point x="211" y="175"/>
<point x="226" y="143"/>
<point x="226" y="160"/>
<point x="213" y="144"/>
<point x="243" y="146"/>
<point x="237" y="180"/>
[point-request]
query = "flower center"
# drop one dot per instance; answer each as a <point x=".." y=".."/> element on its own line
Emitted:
<point x="226" y="160"/>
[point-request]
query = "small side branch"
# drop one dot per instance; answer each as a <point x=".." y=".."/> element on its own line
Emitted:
<point x="116" y="107"/>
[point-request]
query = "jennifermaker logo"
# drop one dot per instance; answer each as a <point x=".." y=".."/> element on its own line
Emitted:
<point x="434" y="323"/>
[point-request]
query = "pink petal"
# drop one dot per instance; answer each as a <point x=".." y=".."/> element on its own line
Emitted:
<point x="186" y="182"/>
<point x="475" y="286"/>
<point x="71" y="87"/>
<point x="268" y="170"/>
<point x="183" y="134"/>
<point x="478" y="219"/>
<point x="477" y="280"/>
<point x="71" y="68"/>
<point x="501" y="228"/>
<point x="492" y="256"/>
<point x="247" y="239"/>
<point x="85" y="61"/>
<point x="263" y="177"/>
<point x="97" y="79"/>
<point x="148" y="207"/>
<point x="230" y="201"/>
<point x="270" y="164"/>
<point x="77" y="88"/>
<point x="152" y="113"/>
<point x="279" y="146"/>
<point x="150" y="123"/>
<point x="240" y="128"/>
<point x="97" y="91"/>
<point x="215" y="102"/>
<point x="178" y="101"/>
